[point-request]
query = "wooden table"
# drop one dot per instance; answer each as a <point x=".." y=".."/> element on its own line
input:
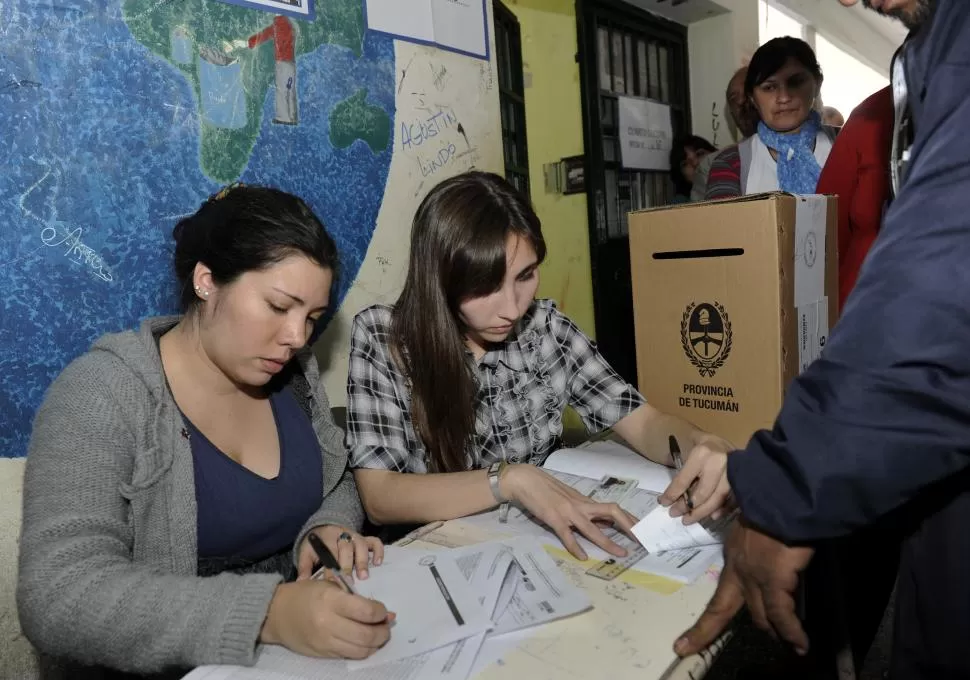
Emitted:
<point x="629" y="633"/>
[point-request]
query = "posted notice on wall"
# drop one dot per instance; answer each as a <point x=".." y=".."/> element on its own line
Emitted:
<point x="457" y="25"/>
<point x="298" y="9"/>
<point x="646" y="134"/>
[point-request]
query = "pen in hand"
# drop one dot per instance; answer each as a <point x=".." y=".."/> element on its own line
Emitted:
<point x="328" y="561"/>
<point x="679" y="464"/>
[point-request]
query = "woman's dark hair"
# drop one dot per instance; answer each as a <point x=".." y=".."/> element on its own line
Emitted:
<point x="247" y="228"/>
<point x="678" y="154"/>
<point x="458" y="252"/>
<point x="773" y="55"/>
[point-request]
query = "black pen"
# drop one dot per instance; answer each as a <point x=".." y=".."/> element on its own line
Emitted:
<point x="679" y="464"/>
<point x="328" y="561"/>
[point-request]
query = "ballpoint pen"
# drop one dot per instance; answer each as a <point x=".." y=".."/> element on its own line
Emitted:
<point x="328" y="561"/>
<point x="679" y="464"/>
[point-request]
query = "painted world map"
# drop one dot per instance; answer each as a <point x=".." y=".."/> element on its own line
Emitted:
<point x="121" y="116"/>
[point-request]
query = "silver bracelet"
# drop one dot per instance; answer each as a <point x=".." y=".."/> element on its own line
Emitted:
<point x="494" y="473"/>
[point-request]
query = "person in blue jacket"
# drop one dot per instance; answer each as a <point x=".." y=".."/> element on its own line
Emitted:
<point x="879" y="426"/>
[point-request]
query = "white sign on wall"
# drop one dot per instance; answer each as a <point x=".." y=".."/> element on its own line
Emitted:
<point x="646" y="134"/>
<point x="457" y="25"/>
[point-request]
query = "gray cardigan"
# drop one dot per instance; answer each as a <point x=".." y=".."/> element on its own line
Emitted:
<point x="108" y="553"/>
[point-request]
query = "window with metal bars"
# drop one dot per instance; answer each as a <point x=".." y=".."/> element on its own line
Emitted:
<point x="623" y="51"/>
<point x="511" y="92"/>
<point x="636" y="63"/>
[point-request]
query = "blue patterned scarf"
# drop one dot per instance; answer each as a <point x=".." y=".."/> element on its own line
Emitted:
<point x="798" y="170"/>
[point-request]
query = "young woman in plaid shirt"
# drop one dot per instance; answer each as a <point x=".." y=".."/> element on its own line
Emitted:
<point x="456" y="393"/>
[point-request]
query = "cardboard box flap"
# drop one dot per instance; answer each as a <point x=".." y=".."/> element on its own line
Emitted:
<point x="711" y="229"/>
<point x="718" y="201"/>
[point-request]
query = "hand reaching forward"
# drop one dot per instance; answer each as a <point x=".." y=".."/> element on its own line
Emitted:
<point x="761" y="572"/>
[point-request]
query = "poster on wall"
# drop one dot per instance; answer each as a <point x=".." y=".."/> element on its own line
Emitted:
<point x="299" y="9"/>
<point x="456" y="25"/>
<point x="646" y="134"/>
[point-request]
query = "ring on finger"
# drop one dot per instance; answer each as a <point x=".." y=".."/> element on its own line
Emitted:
<point x="345" y="536"/>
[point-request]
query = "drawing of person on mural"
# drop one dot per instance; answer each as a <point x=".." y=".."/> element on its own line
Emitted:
<point x="283" y="34"/>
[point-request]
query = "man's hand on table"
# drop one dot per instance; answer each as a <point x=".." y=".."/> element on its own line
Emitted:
<point x="758" y="571"/>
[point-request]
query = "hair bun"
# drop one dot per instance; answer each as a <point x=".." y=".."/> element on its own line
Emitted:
<point x="179" y="229"/>
<point x="224" y="191"/>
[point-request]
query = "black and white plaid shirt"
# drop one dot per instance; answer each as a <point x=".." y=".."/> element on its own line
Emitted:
<point x="524" y="386"/>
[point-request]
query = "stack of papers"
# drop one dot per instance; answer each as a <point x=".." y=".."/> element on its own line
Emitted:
<point x="598" y="458"/>
<point x="634" y="483"/>
<point x="447" y="603"/>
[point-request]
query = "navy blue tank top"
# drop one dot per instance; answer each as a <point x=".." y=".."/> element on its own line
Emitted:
<point x="245" y="517"/>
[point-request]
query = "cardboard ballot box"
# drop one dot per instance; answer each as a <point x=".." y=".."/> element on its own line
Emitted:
<point x="731" y="300"/>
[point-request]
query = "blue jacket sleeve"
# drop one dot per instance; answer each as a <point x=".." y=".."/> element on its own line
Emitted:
<point x="886" y="411"/>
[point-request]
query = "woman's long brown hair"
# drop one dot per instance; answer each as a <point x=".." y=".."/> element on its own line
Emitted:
<point x="458" y="245"/>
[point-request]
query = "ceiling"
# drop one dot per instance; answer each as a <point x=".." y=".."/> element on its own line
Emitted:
<point x="891" y="29"/>
<point x="863" y="33"/>
<point x="681" y="11"/>
<point x="689" y="11"/>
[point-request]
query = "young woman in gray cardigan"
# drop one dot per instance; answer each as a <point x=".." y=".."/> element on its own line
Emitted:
<point x="174" y="472"/>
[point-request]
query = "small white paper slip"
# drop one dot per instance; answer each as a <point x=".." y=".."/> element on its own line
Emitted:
<point x="658" y="531"/>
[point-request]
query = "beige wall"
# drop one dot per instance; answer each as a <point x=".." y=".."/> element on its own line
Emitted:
<point x="429" y="81"/>
<point x="716" y="48"/>
<point x="554" y="127"/>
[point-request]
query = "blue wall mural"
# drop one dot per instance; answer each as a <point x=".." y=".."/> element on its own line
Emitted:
<point x="118" y="117"/>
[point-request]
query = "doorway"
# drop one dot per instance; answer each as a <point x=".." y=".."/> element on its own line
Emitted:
<point x="623" y="51"/>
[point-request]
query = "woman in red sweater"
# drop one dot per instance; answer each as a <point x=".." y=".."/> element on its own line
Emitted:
<point x="857" y="170"/>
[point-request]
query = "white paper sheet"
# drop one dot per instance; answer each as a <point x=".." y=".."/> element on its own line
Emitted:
<point x="435" y="606"/>
<point x="811" y="304"/>
<point x="646" y="133"/>
<point x="459" y="25"/>
<point x="277" y="663"/>
<point x="608" y="457"/>
<point x="452" y="662"/>
<point x="813" y="331"/>
<point x="496" y="647"/>
<point x="483" y="565"/>
<point x="301" y="9"/>
<point x="238" y="673"/>
<point x="405" y="18"/>
<point x="658" y="531"/>
<point x="516" y="581"/>
<point x="540" y="592"/>
<point x="810" y="231"/>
